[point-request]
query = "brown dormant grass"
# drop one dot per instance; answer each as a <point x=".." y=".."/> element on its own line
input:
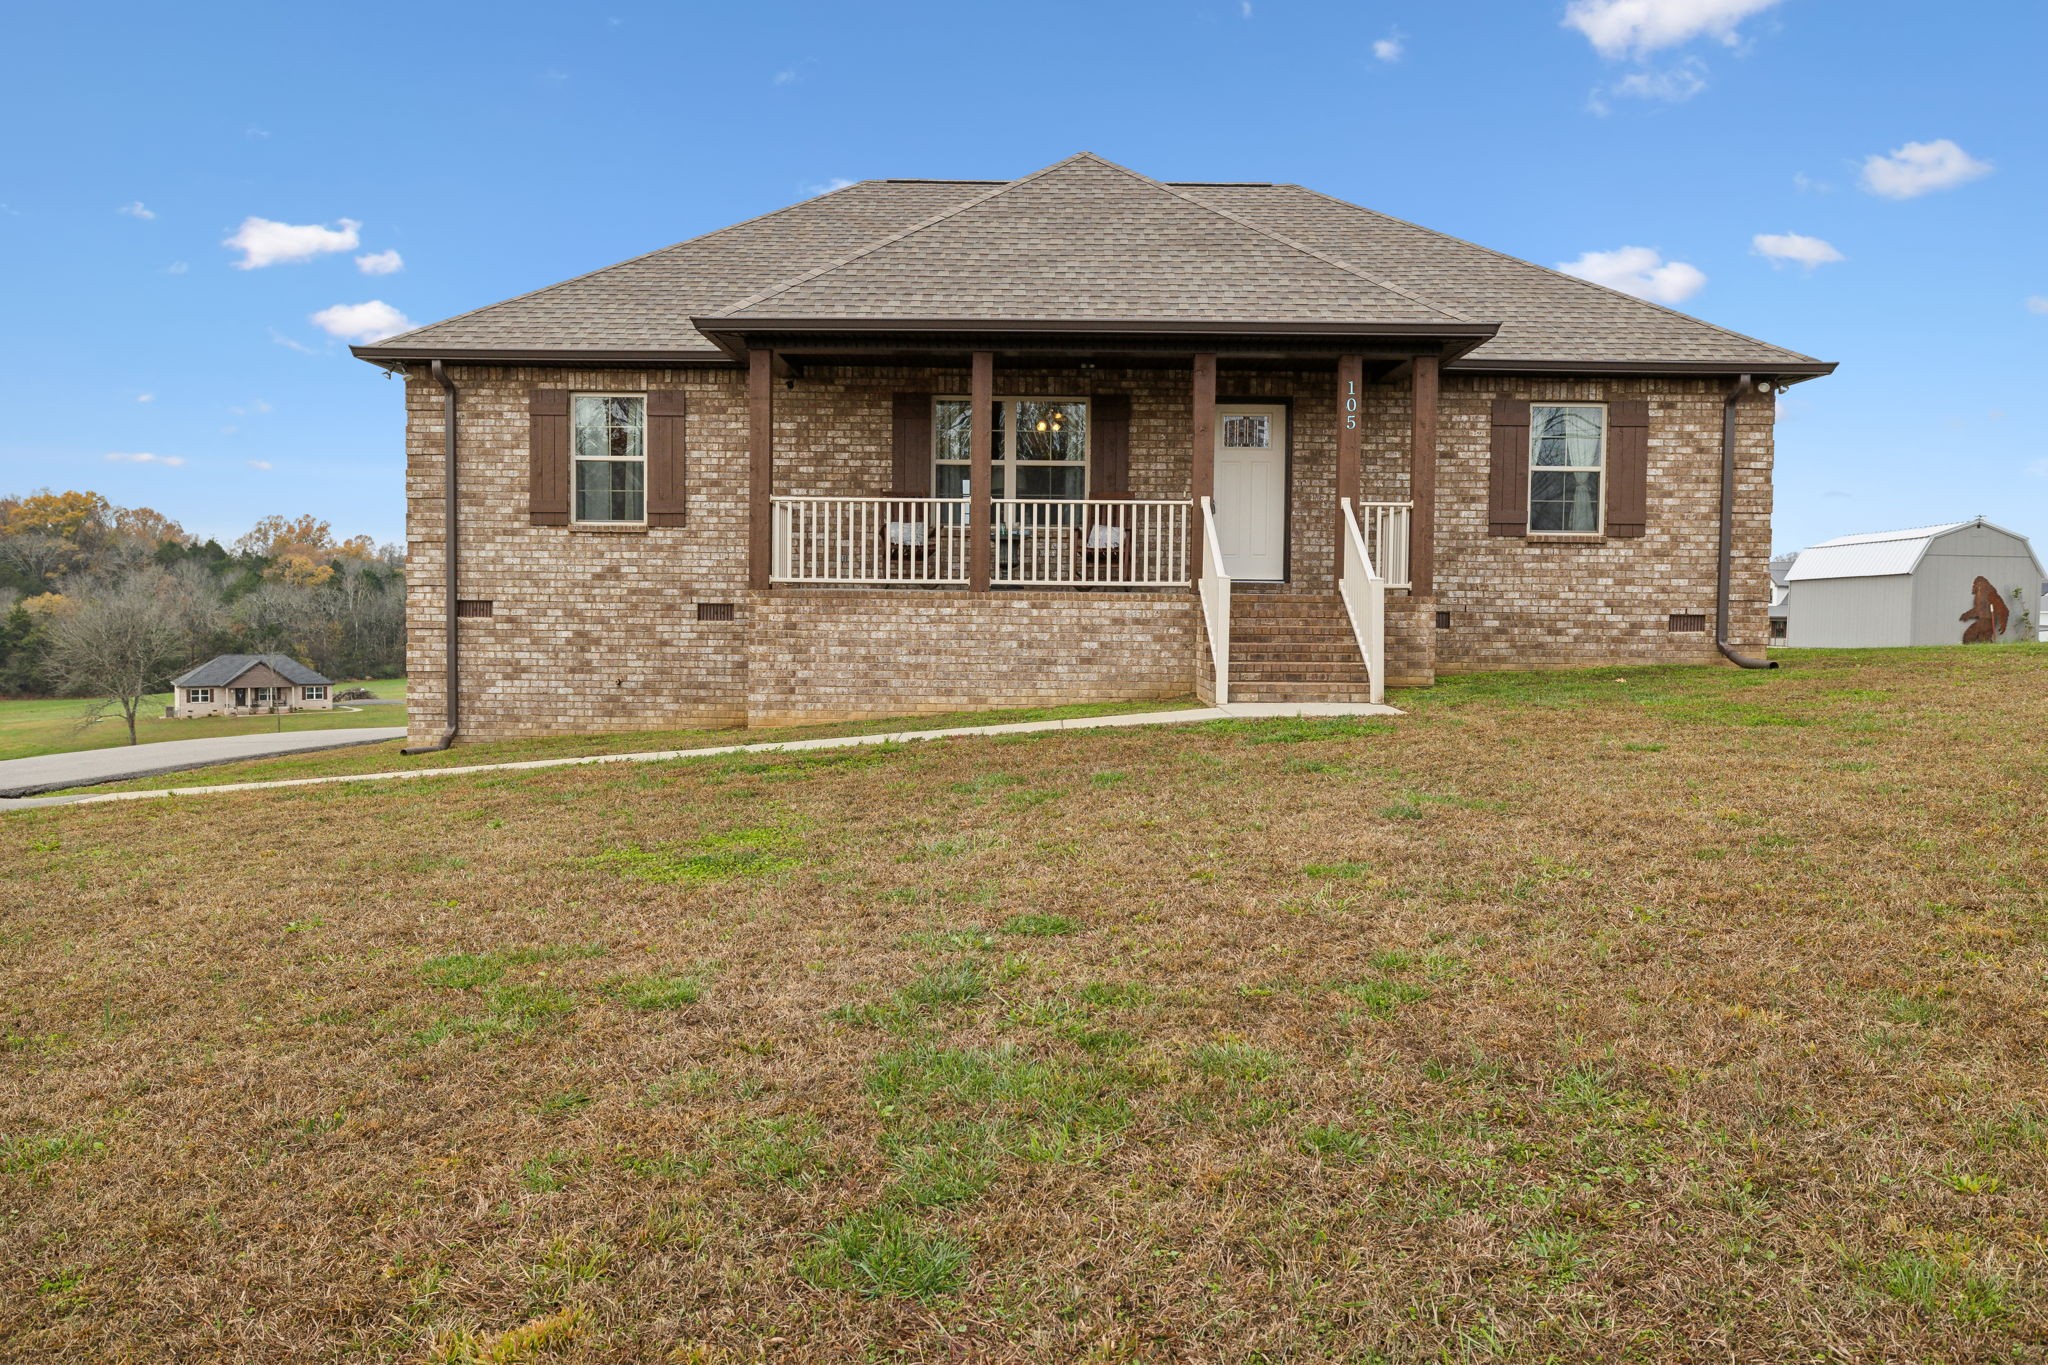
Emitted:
<point x="1617" y="1015"/>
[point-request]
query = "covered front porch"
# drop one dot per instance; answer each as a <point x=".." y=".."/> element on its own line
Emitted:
<point x="1068" y="468"/>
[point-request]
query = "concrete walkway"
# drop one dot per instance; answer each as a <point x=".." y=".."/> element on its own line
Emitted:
<point x="1239" y="711"/>
<point x="87" y="767"/>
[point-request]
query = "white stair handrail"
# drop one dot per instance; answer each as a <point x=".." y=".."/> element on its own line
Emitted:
<point x="1365" y="601"/>
<point x="1215" y="590"/>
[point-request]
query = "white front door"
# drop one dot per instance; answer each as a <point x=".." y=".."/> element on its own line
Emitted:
<point x="1251" y="490"/>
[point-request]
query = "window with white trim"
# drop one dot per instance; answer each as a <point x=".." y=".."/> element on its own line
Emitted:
<point x="198" y="694"/>
<point x="609" y="431"/>
<point x="1567" y="459"/>
<point x="315" y="692"/>
<point x="1039" y="448"/>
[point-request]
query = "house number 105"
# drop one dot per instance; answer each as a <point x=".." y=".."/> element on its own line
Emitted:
<point x="1351" y="405"/>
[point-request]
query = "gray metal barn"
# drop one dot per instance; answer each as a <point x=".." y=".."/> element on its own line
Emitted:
<point x="1965" y="582"/>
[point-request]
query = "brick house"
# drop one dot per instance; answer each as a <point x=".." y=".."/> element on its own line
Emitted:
<point x="917" y="446"/>
<point x="248" y="685"/>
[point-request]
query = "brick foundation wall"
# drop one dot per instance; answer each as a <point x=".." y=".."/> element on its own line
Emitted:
<point x="851" y="655"/>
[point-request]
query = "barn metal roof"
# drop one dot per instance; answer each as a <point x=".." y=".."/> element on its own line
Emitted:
<point x="1877" y="554"/>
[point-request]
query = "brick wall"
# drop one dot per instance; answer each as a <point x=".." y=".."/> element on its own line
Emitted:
<point x="597" y="629"/>
<point x="825" y="654"/>
<point x="1541" y="602"/>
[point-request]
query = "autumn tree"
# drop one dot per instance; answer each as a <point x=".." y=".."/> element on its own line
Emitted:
<point x="148" y="526"/>
<point x="120" y="644"/>
<point x="274" y="537"/>
<point x="72" y="516"/>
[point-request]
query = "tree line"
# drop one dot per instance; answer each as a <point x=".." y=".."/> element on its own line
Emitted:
<point x="112" y="602"/>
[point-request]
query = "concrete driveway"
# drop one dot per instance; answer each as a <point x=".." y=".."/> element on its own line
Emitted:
<point x="53" y="772"/>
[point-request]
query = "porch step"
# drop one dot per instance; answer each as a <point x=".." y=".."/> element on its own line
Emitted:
<point x="1291" y="646"/>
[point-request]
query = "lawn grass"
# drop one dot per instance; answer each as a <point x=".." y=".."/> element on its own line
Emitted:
<point x="1678" y="1014"/>
<point x="378" y="758"/>
<point x="32" y="727"/>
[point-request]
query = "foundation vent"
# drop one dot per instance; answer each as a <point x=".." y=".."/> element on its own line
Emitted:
<point x="715" y="611"/>
<point x="1687" y="622"/>
<point x="1443" y="620"/>
<point x="469" y="608"/>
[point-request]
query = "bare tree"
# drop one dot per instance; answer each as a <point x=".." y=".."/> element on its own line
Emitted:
<point x="120" y="644"/>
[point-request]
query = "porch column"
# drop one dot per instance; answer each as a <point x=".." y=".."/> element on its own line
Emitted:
<point x="981" y="400"/>
<point x="1350" y="433"/>
<point x="760" y="466"/>
<point x="1202" y="457"/>
<point x="1424" y="385"/>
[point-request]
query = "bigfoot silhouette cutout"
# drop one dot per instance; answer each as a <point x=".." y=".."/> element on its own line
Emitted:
<point x="1987" y="614"/>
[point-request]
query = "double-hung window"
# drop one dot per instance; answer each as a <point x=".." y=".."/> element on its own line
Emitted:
<point x="1567" y="462"/>
<point x="315" y="692"/>
<point x="1039" y="449"/>
<point x="610" y="432"/>
<point x="198" y="694"/>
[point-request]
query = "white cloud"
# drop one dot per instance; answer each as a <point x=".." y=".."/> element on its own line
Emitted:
<point x="278" y="338"/>
<point x="256" y="405"/>
<point x="256" y="134"/>
<point x="826" y="187"/>
<point x="1638" y="270"/>
<point x="1619" y="28"/>
<point x="1389" y="48"/>
<point x="2039" y="469"/>
<point x="1794" y="248"/>
<point x="1673" y="86"/>
<point x="260" y="464"/>
<point x="145" y="398"/>
<point x="372" y="321"/>
<point x="1244" y="7"/>
<point x="786" y="76"/>
<point x="380" y="263"/>
<point x="144" y="457"/>
<point x="176" y="268"/>
<point x="264" y="241"/>
<point x="1921" y="168"/>
<point x="2038" y="303"/>
<point x="136" y="210"/>
<point x="1806" y="184"/>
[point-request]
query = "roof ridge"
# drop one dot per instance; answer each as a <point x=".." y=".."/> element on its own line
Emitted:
<point x="1002" y="188"/>
<point x="1146" y="180"/>
<point x="1289" y="242"/>
<point x="630" y="260"/>
<point x="1548" y="270"/>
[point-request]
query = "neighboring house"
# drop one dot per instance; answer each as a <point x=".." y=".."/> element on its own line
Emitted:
<point x="248" y="684"/>
<point x="1780" y="566"/>
<point x="1963" y="582"/>
<point x="924" y="445"/>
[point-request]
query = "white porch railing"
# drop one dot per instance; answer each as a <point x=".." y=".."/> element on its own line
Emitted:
<point x="1365" y="600"/>
<point x="1385" y="528"/>
<point x="1099" y="543"/>
<point x="926" y="541"/>
<point x="1215" y="590"/>
<point x="870" y="540"/>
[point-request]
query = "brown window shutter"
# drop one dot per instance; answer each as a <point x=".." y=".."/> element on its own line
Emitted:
<point x="1109" y="445"/>
<point x="547" y="476"/>
<point x="911" y="465"/>
<point x="1628" y="462"/>
<point x="1507" y="503"/>
<point x="667" y="456"/>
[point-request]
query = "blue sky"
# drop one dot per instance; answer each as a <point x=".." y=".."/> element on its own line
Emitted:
<point x="499" y="148"/>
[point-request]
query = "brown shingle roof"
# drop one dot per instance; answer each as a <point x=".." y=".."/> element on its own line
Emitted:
<point x="645" y="304"/>
<point x="1087" y="241"/>
<point x="1544" y="315"/>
